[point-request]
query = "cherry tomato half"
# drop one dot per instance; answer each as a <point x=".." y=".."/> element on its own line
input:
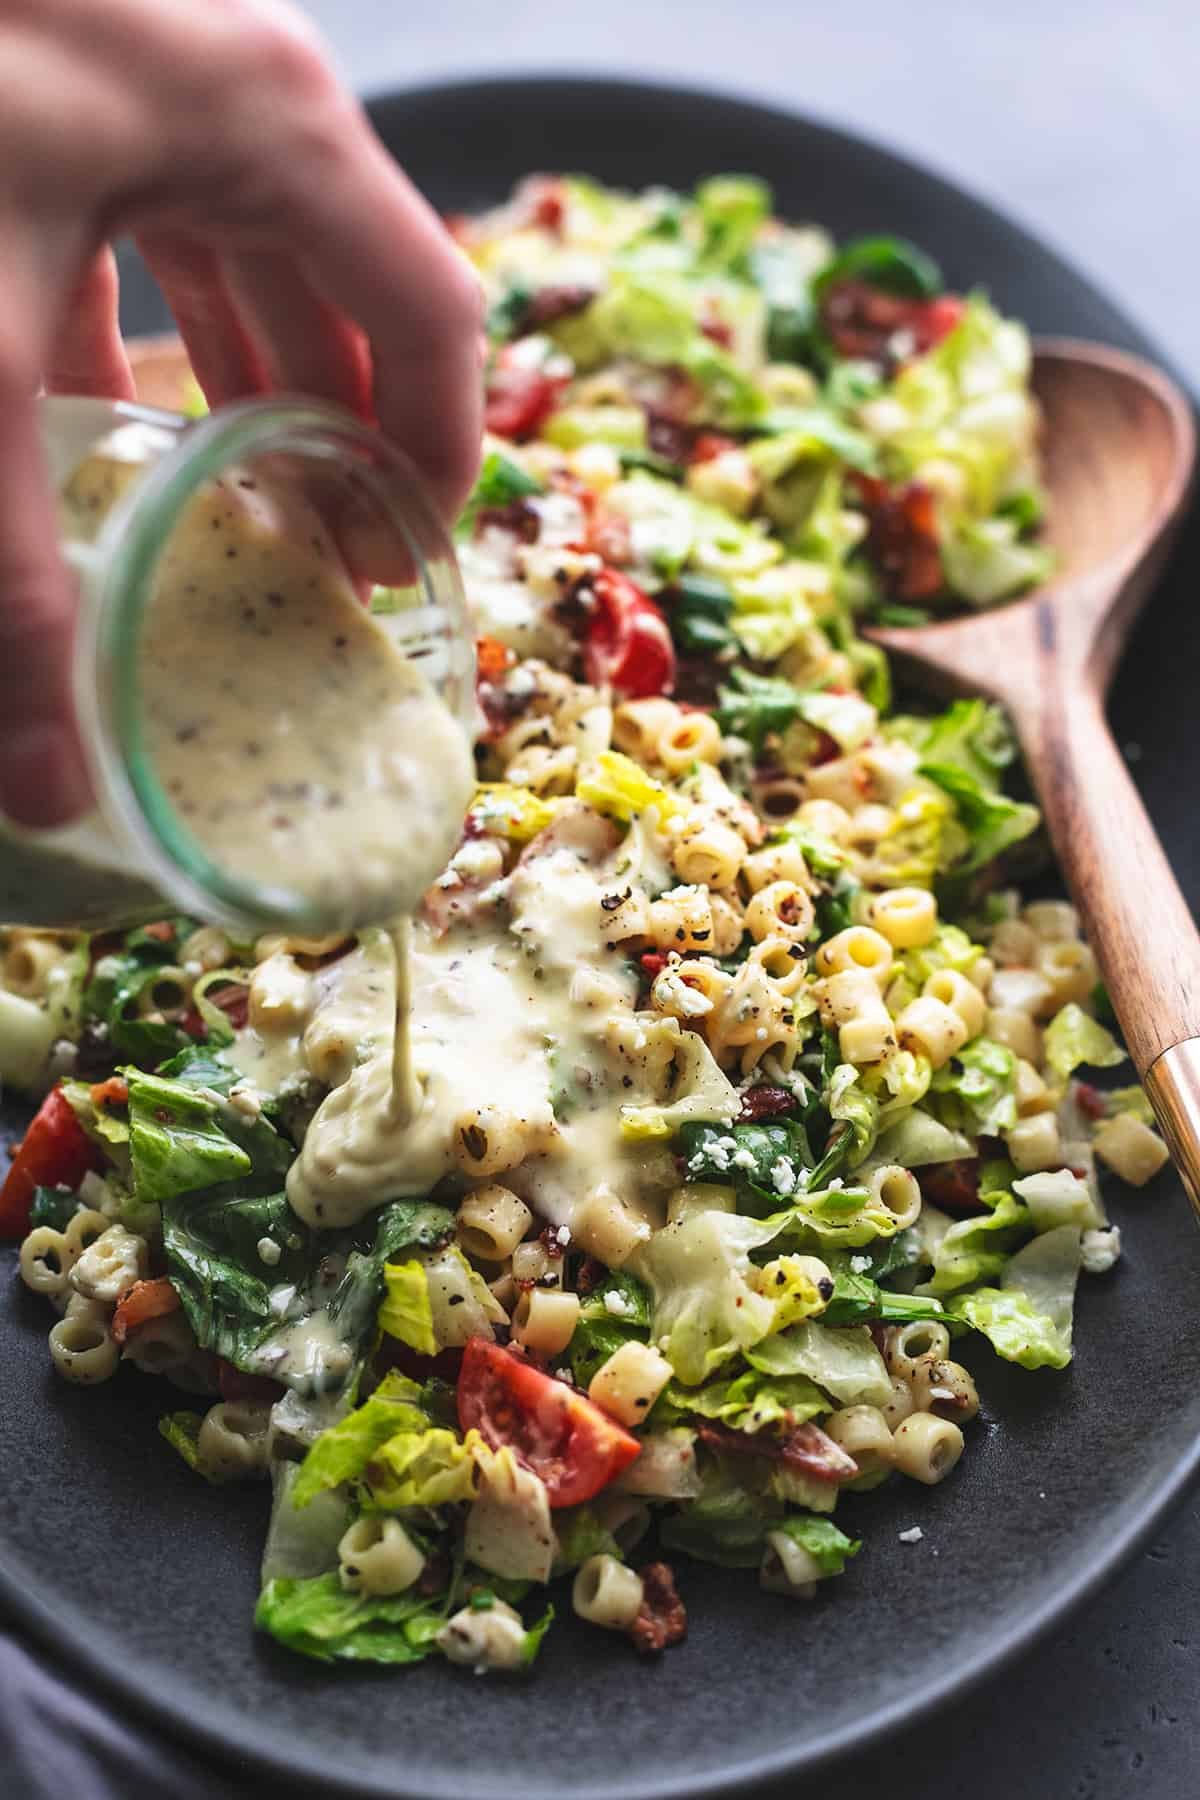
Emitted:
<point x="55" y="1152"/>
<point x="628" y="644"/>
<point x="574" y="1447"/>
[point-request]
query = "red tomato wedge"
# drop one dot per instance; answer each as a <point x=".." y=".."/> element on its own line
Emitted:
<point x="55" y="1152"/>
<point x="144" y="1301"/>
<point x="628" y="645"/>
<point x="574" y="1447"/>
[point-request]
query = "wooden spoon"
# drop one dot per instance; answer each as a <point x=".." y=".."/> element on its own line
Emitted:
<point x="1118" y="449"/>
<point x="1118" y="453"/>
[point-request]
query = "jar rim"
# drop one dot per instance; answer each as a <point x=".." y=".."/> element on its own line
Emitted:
<point x="127" y="552"/>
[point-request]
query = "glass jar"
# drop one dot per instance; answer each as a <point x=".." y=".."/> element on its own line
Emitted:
<point x="274" y="673"/>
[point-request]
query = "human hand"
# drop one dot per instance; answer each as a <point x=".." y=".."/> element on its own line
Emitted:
<point x="293" y="253"/>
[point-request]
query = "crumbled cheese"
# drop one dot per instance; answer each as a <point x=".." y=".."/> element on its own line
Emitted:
<point x="860" y="1264"/>
<point x="783" y="1176"/>
<point x="743" y="1158"/>
<point x="618" y="1305"/>
<point x="245" y="1099"/>
<point x="563" y="1234"/>
<point x="913" y="1535"/>
<point x="280" y="1299"/>
<point x="1099" y="1250"/>
<point x="268" y="1251"/>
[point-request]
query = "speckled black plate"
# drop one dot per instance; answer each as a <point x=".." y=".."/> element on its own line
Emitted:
<point x="144" y="1580"/>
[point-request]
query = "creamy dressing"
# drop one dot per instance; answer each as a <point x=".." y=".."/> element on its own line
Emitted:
<point x="524" y="1046"/>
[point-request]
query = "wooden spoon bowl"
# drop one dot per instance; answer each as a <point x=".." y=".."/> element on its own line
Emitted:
<point x="1119" y="452"/>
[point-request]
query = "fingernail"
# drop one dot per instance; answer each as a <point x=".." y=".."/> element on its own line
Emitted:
<point x="43" y="780"/>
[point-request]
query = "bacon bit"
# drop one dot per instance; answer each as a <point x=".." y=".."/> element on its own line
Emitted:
<point x="516" y="516"/>
<point x="653" y="963"/>
<point x="718" y="331"/>
<point x="162" y="931"/>
<point x="662" y="1620"/>
<point x="113" y="1092"/>
<point x="952" y="1186"/>
<point x="864" y="321"/>
<point x="588" y="1276"/>
<point x="559" y="301"/>
<point x="257" y="1390"/>
<point x="711" y="444"/>
<point x="668" y="438"/>
<point x="234" y="1002"/>
<point x="878" y="1336"/>
<point x="902" y="538"/>
<point x="813" y="1450"/>
<point x="435" y="1576"/>
<point x="1090" y="1100"/>
<point x="807" y="1448"/>
<point x="549" y="1239"/>
<point x="765" y="1102"/>
<point x="192" y="1024"/>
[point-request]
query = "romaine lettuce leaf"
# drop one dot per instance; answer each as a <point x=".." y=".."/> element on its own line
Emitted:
<point x="1028" y="1320"/>
<point x="320" y="1619"/>
<point x="342" y="1452"/>
<point x="844" y="1362"/>
<point x="751" y="1401"/>
<point x="978" y="1248"/>
<point x="982" y="1076"/>
<point x="1073" y="1039"/>
<point x="725" y="1524"/>
<point x="705" y="1306"/>
<point x="829" y="1548"/>
<point x="182" y="1432"/>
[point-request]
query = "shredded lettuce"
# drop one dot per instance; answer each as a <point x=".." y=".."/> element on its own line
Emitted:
<point x="829" y="1548"/>
<point x="342" y="1452"/>
<point x="982" y="1077"/>
<point x="1073" y="1039"/>
<point x="320" y="1619"/>
<point x="182" y="1432"/>
<point x="1028" y="1319"/>
<point x="841" y="1360"/>
<point x="752" y="1401"/>
<point x="978" y="1248"/>
<point x="705" y="1305"/>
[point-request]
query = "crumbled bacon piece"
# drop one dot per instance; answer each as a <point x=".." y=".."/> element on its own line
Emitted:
<point x="590" y="1273"/>
<point x="1090" y="1100"/>
<point x="765" y="1102"/>
<point x="865" y="321"/>
<point x="711" y="444"/>
<point x="902" y="537"/>
<point x="807" y="1448"/>
<point x="662" y="1620"/>
<point x="952" y="1186"/>
<point x="557" y="301"/>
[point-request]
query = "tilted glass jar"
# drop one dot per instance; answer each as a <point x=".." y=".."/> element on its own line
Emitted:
<point x="274" y="673"/>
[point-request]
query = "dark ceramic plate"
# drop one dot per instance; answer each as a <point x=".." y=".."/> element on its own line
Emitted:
<point x="144" y="1580"/>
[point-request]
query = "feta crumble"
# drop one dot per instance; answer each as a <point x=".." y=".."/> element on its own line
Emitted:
<point x="913" y="1535"/>
<point x="860" y="1264"/>
<point x="1100" y="1249"/>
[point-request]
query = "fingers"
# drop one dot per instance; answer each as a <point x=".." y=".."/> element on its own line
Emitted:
<point x="305" y="345"/>
<point x="43" y="778"/>
<point x="381" y="255"/>
<point x="223" y="356"/>
<point x="86" y="355"/>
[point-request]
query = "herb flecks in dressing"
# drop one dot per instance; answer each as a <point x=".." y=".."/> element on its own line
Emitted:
<point x="295" y="741"/>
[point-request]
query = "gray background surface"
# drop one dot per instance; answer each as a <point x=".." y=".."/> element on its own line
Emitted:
<point x="1082" y="119"/>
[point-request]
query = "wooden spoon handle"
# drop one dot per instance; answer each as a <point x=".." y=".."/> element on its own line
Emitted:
<point x="1136" y="918"/>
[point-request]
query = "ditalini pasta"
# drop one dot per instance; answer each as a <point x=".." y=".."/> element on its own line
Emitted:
<point x="634" y="1201"/>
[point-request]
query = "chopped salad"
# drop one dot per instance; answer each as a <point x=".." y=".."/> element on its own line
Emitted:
<point x="750" y="1091"/>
